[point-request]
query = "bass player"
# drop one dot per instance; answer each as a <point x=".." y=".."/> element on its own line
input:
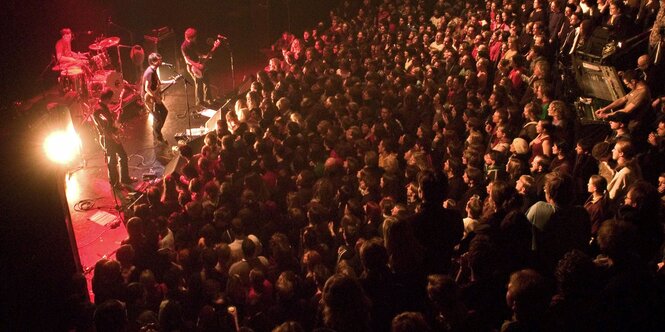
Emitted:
<point x="152" y="96"/>
<point x="108" y="138"/>
<point x="196" y="66"/>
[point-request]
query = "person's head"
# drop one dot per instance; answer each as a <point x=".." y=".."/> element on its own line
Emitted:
<point x="190" y="34"/>
<point x="631" y="78"/>
<point x="617" y="239"/>
<point x="597" y="184"/>
<point x="623" y="151"/>
<point x="661" y="183"/>
<point x="432" y="187"/>
<point x="525" y="185"/>
<point x="66" y="33"/>
<point x="618" y="121"/>
<point x="504" y="196"/>
<point x="519" y="146"/>
<point x="644" y="197"/>
<point x="373" y="256"/>
<point x="575" y="274"/>
<point x="345" y="306"/>
<point x="602" y="151"/>
<point x="154" y="59"/>
<point x="539" y="164"/>
<point x="290" y="326"/>
<point x="660" y="128"/>
<point x="544" y="127"/>
<point x="559" y="189"/>
<point x="583" y="147"/>
<point x="474" y="207"/>
<point x="560" y="149"/>
<point x="528" y="295"/>
<point x="125" y="255"/>
<point x="643" y="62"/>
<point x="616" y="7"/>
<point x="473" y="176"/>
<point x="111" y="316"/>
<point x="556" y="109"/>
<point x="409" y="321"/>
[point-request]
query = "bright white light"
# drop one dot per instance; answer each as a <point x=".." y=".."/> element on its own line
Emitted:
<point x="62" y="146"/>
<point x="151" y="119"/>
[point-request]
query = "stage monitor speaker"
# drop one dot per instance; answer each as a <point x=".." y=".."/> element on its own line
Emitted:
<point x="211" y="124"/>
<point x="176" y="164"/>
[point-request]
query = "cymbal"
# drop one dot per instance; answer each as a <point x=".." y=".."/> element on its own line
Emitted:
<point x="95" y="47"/>
<point x="109" y="42"/>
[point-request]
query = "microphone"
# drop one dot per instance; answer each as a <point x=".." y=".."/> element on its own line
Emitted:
<point x="168" y="64"/>
<point x="222" y="37"/>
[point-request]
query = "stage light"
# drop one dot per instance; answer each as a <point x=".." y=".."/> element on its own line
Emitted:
<point x="62" y="146"/>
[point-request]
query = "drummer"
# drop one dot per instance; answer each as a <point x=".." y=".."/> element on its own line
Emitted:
<point x="63" y="51"/>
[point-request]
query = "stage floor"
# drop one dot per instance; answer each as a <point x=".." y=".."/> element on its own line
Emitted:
<point x="89" y="193"/>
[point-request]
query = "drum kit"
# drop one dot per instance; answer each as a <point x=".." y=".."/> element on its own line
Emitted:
<point x="94" y="72"/>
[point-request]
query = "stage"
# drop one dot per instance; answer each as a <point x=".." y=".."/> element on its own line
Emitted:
<point x="97" y="216"/>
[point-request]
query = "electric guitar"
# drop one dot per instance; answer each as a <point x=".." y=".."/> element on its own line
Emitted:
<point x="197" y="71"/>
<point x="157" y="95"/>
<point x="107" y="130"/>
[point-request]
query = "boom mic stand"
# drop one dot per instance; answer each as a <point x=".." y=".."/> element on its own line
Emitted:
<point x="189" y="112"/>
<point x="233" y="71"/>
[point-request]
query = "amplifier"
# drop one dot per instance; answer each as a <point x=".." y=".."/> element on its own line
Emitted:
<point x="163" y="41"/>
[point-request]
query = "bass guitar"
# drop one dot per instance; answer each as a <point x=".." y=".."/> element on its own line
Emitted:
<point x="197" y="71"/>
<point x="158" y="95"/>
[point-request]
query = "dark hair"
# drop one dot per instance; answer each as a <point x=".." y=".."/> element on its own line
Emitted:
<point x="560" y="188"/>
<point x="433" y="186"/>
<point x="345" y="306"/>
<point x="505" y="196"/>
<point x="153" y="58"/>
<point x="575" y="274"/>
<point x="599" y="182"/>
<point x="530" y="294"/>
<point x="409" y="321"/>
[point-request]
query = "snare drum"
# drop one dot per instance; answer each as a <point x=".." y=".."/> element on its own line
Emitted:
<point x="73" y="79"/>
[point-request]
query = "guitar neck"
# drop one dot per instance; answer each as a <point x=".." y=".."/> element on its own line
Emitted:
<point x="168" y="86"/>
<point x="209" y="54"/>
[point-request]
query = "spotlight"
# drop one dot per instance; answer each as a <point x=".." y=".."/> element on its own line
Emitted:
<point x="62" y="146"/>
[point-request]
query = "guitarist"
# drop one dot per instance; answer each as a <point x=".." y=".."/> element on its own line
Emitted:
<point x="108" y="138"/>
<point x="152" y="95"/>
<point x="195" y="66"/>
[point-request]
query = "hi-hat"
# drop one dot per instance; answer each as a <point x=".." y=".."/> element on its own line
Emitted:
<point x="95" y="47"/>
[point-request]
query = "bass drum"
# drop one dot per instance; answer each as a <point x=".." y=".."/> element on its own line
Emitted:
<point x="107" y="79"/>
<point x="73" y="79"/>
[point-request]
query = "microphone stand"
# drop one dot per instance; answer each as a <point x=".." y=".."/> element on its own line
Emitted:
<point x="233" y="71"/>
<point x="40" y="78"/>
<point x="189" y="113"/>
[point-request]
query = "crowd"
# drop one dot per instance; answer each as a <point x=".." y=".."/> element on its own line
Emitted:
<point x="411" y="165"/>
